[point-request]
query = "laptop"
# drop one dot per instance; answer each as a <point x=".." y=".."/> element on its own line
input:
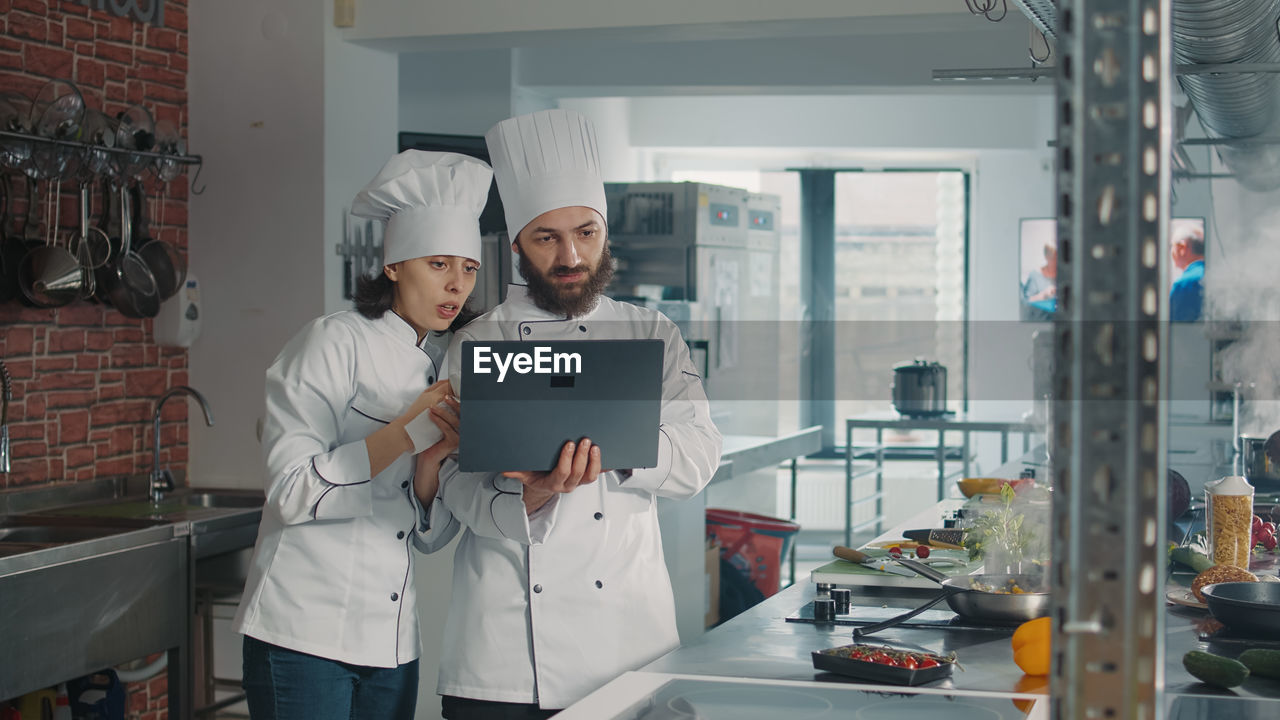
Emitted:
<point x="523" y="400"/>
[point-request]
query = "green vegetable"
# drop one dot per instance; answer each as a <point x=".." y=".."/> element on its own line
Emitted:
<point x="1264" y="663"/>
<point x="1003" y="531"/>
<point x="1214" y="670"/>
<point x="1191" y="557"/>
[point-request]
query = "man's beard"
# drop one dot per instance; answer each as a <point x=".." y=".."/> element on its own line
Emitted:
<point x="568" y="301"/>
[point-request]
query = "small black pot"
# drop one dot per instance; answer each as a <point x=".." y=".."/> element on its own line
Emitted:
<point x="920" y="388"/>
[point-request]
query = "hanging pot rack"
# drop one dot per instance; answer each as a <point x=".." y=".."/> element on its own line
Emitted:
<point x="153" y="156"/>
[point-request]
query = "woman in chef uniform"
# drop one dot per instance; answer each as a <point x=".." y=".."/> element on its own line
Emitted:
<point x="354" y="403"/>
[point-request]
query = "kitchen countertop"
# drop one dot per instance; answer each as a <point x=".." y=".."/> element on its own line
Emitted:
<point x="760" y="643"/>
<point x="741" y="454"/>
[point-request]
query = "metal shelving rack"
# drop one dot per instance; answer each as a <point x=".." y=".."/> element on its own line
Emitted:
<point x="152" y="156"/>
<point x="1113" y="142"/>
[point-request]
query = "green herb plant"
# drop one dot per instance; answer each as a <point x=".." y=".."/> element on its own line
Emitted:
<point x="1002" y="532"/>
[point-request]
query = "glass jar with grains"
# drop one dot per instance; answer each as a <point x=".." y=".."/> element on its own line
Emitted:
<point x="1229" y="512"/>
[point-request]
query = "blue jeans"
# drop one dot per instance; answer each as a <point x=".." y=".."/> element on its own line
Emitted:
<point x="282" y="684"/>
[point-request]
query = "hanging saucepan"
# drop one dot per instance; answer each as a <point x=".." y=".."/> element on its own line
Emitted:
<point x="12" y="249"/>
<point x="979" y="598"/>
<point x="17" y="245"/>
<point x="126" y="282"/>
<point x="50" y="276"/>
<point x="157" y="254"/>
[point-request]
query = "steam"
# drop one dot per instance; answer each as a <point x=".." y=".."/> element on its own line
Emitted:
<point x="1242" y="295"/>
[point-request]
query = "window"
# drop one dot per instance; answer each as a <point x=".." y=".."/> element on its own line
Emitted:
<point x="900" y="283"/>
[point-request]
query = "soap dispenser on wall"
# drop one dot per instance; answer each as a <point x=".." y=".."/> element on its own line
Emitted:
<point x="178" y="324"/>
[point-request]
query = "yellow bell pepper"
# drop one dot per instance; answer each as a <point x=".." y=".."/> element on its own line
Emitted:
<point x="1031" y="646"/>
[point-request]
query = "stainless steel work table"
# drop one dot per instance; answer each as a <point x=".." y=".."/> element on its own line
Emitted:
<point x="741" y="454"/>
<point x="966" y="425"/>
<point x="760" y="643"/>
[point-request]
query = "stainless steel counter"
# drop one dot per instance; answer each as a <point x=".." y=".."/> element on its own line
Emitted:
<point x="92" y="578"/>
<point x="741" y="454"/>
<point x="761" y="644"/>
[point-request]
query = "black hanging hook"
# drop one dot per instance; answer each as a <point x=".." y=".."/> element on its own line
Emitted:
<point x="194" y="191"/>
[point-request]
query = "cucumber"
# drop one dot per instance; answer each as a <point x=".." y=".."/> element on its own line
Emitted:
<point x="1214" y="670"/>
<point x="1193" y="559"/>
<point x="1261" y="662"/>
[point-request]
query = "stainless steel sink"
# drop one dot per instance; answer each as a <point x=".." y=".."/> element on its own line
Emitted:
<point x="53" y="530"/>
<point x="221" y="499"/>
<point x="47" y="534"/>
<point x="186" y="504"/>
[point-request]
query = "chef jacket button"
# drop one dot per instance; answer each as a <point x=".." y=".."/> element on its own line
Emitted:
<point x="599" y="516"/>
<point x="400" y="535"/>
<point x="582" y="328"/>
<point x="404" y="484"/>
<point x="431" y="379"/>
<point x="537" y="588"/>
<point x="395" y="597"/>
<point x="599" y="584"/>
<point x="527" y="331"/>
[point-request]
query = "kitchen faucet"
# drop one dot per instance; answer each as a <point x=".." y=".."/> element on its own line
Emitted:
<point x="4" y="416"/>
<point x="162" y="480"/>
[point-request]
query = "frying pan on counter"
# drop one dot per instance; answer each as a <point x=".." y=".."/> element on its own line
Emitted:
<point x="993" y="599"/>
<point x="1252" y="607"/>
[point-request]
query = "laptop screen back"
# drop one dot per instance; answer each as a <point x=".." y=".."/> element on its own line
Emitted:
<point x="522" y="401"/>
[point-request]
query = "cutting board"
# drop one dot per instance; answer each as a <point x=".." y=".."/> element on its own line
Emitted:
<point x="843" y="572"/>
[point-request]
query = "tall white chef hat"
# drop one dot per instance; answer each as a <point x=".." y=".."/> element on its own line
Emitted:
<point x="544" y="161"/>
<point x="431" y="202"/>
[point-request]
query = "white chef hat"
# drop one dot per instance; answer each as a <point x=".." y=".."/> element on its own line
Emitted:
<point x="431" y="202"/>
<point x="544" y="161"/>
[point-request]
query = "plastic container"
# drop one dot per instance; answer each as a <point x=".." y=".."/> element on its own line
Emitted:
<point x="1229" y="513"/>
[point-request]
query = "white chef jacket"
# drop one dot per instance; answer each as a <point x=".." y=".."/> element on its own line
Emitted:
<point x="548" y="608"/>
<point x="332" y="571"/>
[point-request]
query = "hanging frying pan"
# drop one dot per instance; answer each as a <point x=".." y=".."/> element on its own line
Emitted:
<point x="159" y="256"/>
<point x="126" y="282"/>
<point x="12" y="248"/>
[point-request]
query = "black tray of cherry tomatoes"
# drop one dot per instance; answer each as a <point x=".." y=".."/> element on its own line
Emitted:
<point x="883" y="664"/>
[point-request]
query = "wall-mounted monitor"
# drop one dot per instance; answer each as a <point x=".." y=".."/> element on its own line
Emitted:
<point x="1038" y="261"/>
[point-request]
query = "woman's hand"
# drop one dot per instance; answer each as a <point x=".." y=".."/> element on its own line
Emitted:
<point x="426" y="479"/>
<point x="429" y="398"/>
<point x="387" y="444"/>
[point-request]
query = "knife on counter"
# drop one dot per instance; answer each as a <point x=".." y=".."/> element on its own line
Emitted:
<point x="884" y="564"/>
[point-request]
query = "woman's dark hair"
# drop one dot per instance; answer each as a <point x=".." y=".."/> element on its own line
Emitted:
<point x="373" y="297"/>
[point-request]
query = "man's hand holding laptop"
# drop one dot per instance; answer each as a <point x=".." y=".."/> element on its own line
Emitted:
<point x="579" y="464"/>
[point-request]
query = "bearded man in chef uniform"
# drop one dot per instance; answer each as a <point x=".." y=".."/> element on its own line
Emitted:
<point x="559" y="582"/>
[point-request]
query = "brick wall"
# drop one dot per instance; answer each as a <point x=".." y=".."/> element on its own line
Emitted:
<point x="86" y="378"/>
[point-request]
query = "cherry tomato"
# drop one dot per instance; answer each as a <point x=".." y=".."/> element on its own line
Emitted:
<point x="1256" y="525"/>
<point x="1269" y="526"/>
<point x="907" y="662"/>
<point x="922" y="551"/>
<point x="1269" y="541"/>
<point x="927" y="663"/>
